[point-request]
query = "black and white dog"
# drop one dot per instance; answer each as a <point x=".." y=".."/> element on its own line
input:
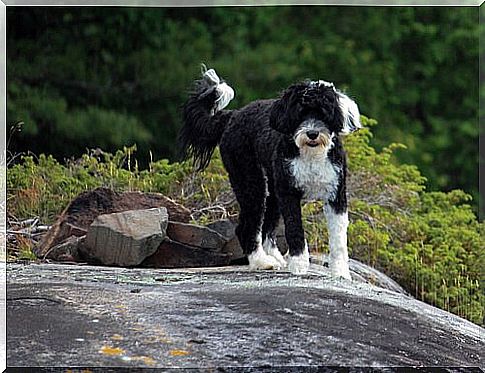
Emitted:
<point x="277" y="152"/>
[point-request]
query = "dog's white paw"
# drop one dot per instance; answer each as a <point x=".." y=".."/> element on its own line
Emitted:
<point x="298" y="265"/>
<point x="271" y="249"/>
<point x="275" y="253"/>
<point x="340" y="268"/>
<point x="260" y="260"/>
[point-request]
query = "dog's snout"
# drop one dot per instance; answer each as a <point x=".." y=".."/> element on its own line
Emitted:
<point x="312" y="135"/>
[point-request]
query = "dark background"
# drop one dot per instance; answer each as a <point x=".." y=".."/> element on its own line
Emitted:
<point x="82" y="78"/>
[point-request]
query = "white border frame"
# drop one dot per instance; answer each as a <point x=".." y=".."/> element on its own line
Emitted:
<point x="3" y="186"/>
<point x="149" y="3"/>
<point x="209" y="3"/>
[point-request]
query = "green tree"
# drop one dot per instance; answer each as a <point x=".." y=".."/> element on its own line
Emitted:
<point x="110" y="77"/>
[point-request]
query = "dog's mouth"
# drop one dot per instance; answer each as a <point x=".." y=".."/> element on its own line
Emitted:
<point x="313" y="143"/>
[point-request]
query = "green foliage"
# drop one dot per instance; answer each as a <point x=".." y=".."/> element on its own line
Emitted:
<point x="111" y="77"/>
<point x="26" y="254"/>
<point x="42" y="187"/>
<point x="430" y="242"/>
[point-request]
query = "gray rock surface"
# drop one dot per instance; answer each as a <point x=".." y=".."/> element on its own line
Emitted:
<point x="125" y="238"/>
<point x="60" y="315"/>
<point x="361" y="272"/>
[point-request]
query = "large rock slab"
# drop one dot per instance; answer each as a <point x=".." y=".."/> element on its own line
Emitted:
<point x="195" y="235"/>
<point x="224" y="317"/>
<point x="125" y="238"/>
<point x="171" y="254"/>
<point x="81" y="212"/>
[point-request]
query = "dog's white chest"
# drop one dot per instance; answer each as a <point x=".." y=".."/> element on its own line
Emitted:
<point x="317" y="177"/>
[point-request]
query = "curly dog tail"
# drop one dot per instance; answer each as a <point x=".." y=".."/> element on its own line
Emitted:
<point x="204" y="121"/>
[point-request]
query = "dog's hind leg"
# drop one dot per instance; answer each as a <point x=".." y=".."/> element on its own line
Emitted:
<point x="271" y="218"/>
<point x="249" y="185"/>
<point x="299" y="258"/>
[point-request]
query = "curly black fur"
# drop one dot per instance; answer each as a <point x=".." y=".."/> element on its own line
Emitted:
<point x="202" y="128"/>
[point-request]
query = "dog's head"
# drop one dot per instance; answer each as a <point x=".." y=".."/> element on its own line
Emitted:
<point x="313" y="113"/>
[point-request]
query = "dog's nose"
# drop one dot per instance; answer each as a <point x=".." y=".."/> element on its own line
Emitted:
<point x="312" y="135"/>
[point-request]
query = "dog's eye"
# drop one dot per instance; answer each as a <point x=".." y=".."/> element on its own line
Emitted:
<point x="304" y="111"/>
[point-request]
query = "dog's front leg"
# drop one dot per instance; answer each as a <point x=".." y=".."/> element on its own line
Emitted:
<point x="337" y="223"/>
<point x="299" y="258"/>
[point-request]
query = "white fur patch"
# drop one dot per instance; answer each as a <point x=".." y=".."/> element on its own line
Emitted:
<point x="258" y="259"/>
<point x="211" y="76"/>
<point x="226" y="93"/>
<point x="337" y="231"/>
<point x="323" y="82"/>
<point x="315" y="175"/>
<point x="351" y="114"/>
<point x="298" y="265"/>
<point x="271" y="249"/>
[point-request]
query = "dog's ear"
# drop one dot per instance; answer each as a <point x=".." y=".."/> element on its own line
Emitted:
<point x="278" y="119"/>
<point x="285" y="110"/>
<point x="348" y="117"/>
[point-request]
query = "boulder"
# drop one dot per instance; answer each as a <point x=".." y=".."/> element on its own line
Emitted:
<point x="72" y="230"/>
<point x="67" y="251"/>
<point x="234" y="250"/>
<point x="280" y="238"/>
<point x="195" y="235"/>
<point x="81" y="212"/>
<point x="225" y="320"/>
<point x="224" y="227"/>
<point x="171" y="254"/>
<point x="125" y="238"/>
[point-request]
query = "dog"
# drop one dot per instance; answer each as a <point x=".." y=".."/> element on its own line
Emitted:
<point x="277" y="152"/>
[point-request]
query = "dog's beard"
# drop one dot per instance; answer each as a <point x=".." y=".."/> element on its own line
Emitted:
<point x="315" y="147"/>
